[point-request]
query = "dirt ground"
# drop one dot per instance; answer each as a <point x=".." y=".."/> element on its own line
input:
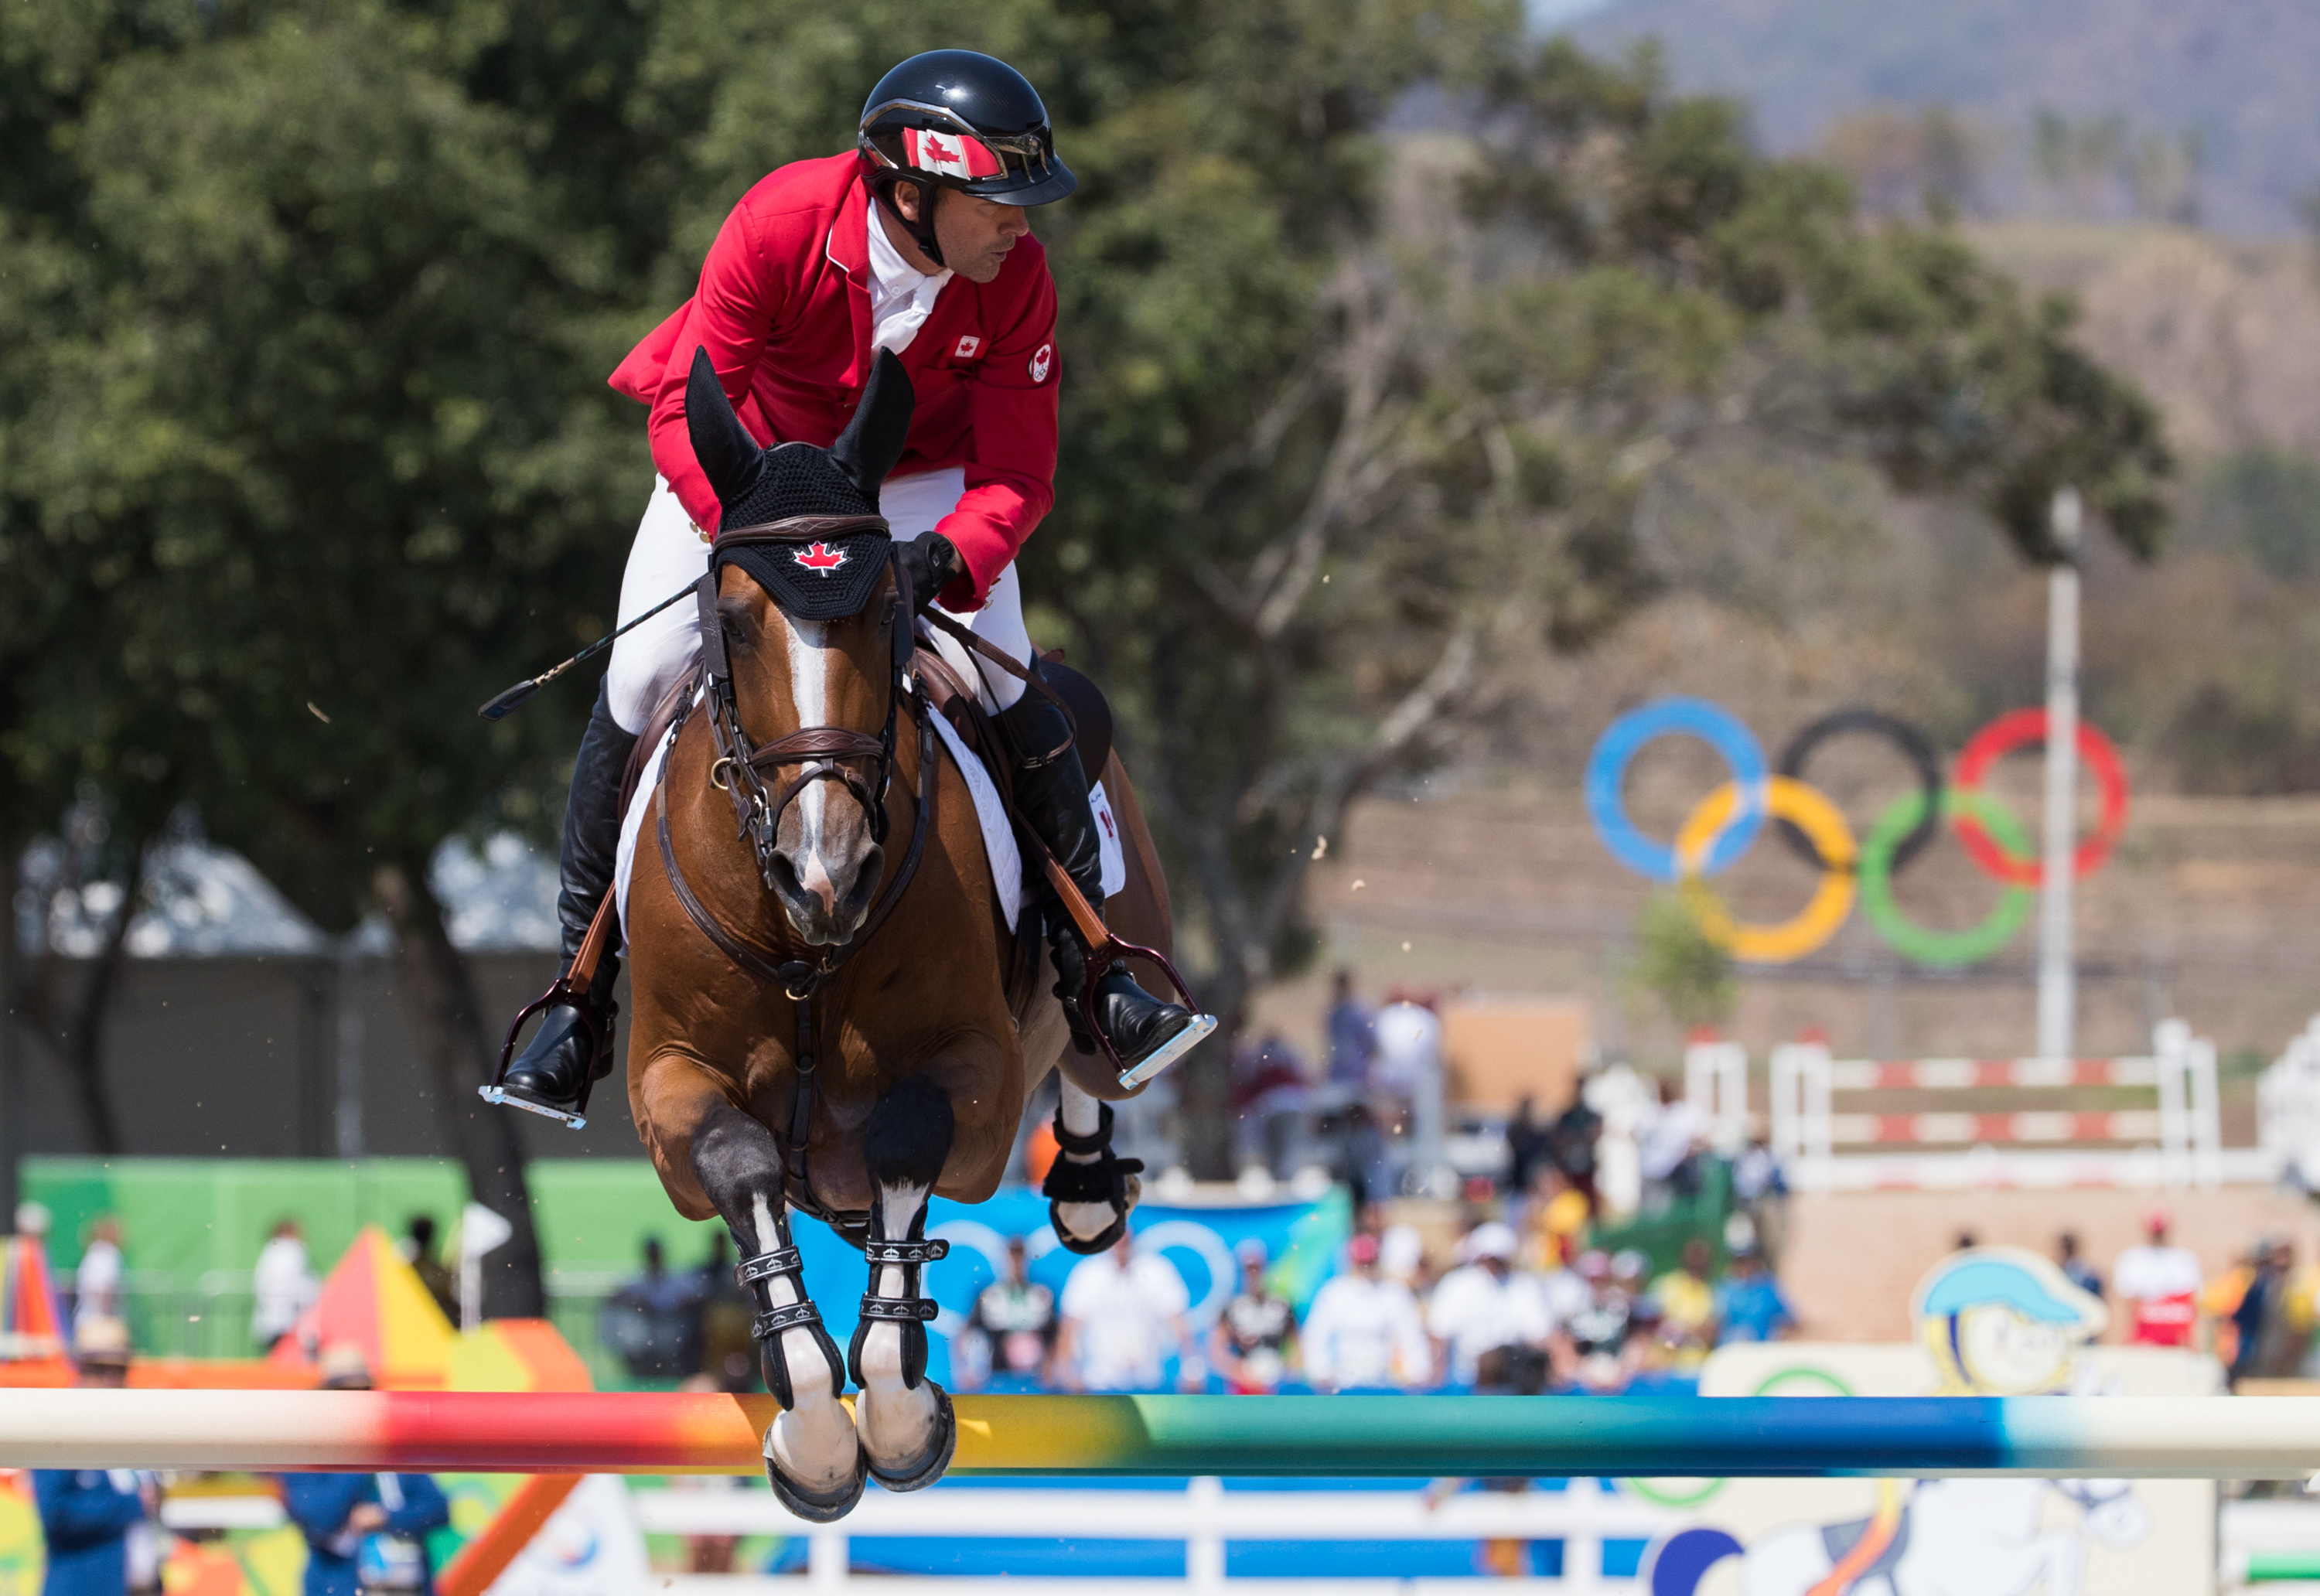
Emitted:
<point x="1854" y="1259"/>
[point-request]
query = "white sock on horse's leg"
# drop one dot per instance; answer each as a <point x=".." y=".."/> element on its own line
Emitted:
<point x="1081" y="1115"/>
<point x="896" y="1421"/>
<point x="813" y="1440"/>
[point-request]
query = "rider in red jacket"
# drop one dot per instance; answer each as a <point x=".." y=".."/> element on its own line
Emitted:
<point x="916" y="242"/>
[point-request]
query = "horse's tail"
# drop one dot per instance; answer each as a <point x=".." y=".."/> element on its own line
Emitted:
<point x="1683" y="1560"/>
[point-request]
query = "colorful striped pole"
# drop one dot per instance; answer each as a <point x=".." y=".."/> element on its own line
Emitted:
<point x="547" y="1432"/>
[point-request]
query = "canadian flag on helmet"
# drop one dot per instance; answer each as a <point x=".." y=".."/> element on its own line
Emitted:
<point x="954" y="155"/>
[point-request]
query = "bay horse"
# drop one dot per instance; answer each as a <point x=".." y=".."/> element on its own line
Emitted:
<point x="810" y="887"/>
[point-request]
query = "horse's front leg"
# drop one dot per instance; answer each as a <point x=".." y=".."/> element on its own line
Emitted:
<point x="813" y="1458"/>
<point x="906" y="1419"/>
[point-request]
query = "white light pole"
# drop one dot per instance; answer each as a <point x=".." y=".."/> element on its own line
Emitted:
<point x="2057" y="976"/>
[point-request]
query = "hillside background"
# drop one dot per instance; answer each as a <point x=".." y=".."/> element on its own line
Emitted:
<point x="2151" y="163"/>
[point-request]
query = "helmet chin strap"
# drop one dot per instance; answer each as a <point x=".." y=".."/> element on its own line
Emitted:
<point x="922" y="231"/>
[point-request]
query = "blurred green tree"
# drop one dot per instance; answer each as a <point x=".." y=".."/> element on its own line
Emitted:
<point x="1381" y="322"/>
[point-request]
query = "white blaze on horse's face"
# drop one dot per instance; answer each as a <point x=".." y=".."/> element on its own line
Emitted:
<point x="827" y="865"/>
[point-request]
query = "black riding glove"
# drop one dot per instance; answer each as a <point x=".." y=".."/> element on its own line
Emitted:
<point x="933" y="564"/>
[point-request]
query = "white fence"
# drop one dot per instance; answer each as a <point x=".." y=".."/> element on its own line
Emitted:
<point x="2180" y="1137"/>
<point x="2287" y="1110"/>
<point x="1204" y="1516"/>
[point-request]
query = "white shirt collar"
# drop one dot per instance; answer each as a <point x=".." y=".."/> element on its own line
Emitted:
<point x="901" y="297"/>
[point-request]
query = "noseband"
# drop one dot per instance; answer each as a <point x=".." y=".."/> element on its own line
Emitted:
<point x="821" y="752"/>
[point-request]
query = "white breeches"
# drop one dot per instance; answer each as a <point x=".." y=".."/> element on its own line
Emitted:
<point x="669" y="554"/>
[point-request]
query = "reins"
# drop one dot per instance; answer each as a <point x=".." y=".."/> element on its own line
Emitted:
<point x="821" y="750"/>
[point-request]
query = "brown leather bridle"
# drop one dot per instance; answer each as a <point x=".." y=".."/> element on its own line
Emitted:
<point x="823" y="752"/>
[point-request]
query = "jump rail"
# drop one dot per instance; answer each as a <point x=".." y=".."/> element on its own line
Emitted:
<point x="2215" y="1437"/>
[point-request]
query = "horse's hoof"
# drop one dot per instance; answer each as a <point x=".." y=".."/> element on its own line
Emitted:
<point x="820" y="1507"/>
<point x="936" y="1460"/>
<point x="1104" y="1240"/>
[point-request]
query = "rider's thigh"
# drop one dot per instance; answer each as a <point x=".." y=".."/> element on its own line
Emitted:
<point x="911" y="506"/>
<point x="667" y="554"/>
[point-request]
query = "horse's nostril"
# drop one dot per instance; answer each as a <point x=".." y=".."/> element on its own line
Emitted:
<point x="786" y="877"/>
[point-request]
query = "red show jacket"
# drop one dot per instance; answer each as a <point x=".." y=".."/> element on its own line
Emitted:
<point x="783" y="310"/>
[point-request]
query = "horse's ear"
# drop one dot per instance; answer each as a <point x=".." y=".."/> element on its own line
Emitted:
<point x="874" y="439"/>
<point x="730" y="457"/>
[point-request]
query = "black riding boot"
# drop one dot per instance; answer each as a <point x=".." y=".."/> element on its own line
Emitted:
<point x="1051" y="793"/>
<point x="564" y="1058"/>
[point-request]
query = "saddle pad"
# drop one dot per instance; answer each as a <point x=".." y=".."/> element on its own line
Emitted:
<point x="998" y="836"/>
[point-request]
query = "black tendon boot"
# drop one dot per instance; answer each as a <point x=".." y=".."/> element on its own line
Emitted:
<point x="565" y="1058"/>
<point x="1051" y="794"/>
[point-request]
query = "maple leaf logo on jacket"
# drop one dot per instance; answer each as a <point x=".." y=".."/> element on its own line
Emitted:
<point x="820" y="556"/>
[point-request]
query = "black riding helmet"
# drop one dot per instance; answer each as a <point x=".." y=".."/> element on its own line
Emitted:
<point x="958" y="119"/>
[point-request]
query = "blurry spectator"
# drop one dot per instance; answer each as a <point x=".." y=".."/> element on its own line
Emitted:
<point x="1409" y="1048"/>
<point x="1352" y="1042"/>
<point x="2076" y="1269"/>
<point x="1571" y="1143"/>
<point x="727" y="1313"/>
<point x="98" y="1523"/>
<point x="1364" y="1330"/>
<point x="1526" y="1146"/>
<point x="418" y="1250"/>
<point x="1669" y="1147"/>
<point x="1596" y="1348"/>
<point x="1123" y="1313"/>
<point x="1272" y="1105"/>
<point x="1761" y="1188"/>
<point x="1367" y="1166"/>
<point x="1012" y="1330"/>
<point x="96" y="1283"/>
<point x="1554" y="1222"/>
<point x="1749" y="1306"/>
<point x="1402" y="1255"/>
<point x="364" y="1532"/>
<point x="2218" y="1301"/>
<point x="1485" y="1302"/>
<point x="652" y="1322"/>
<point x="1687" y="1306"/>
<point x="1253" y="1339"/>
<point x="283" y="1284"/>
<point x="2260" y="1318"/>
<point x="2159" y="1286"/>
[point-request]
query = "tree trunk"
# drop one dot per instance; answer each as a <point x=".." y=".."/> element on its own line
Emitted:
<point x="82" y="1052"/>
<point x="11" y="1096"/>
<point x="1204" y="1101"/>
<point x="440" y="994"/>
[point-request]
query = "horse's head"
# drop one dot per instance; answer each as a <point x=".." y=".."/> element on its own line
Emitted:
<point x="809" y="628"/>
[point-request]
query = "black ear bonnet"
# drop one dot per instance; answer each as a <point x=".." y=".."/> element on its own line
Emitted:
<point x="819" y="578"/>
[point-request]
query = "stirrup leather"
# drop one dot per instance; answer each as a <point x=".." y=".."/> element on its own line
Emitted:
<point x="909" y="1311"/>
<point x="784" y="1263"/>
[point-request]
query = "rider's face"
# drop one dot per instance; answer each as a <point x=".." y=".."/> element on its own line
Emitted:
<point x="976" y="234"/>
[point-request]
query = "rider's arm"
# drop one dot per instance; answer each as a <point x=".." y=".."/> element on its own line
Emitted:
<point x="743" y="286"/>
<point x="1011" y="476"/>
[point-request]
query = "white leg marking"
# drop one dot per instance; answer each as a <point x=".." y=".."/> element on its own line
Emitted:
<point x="897" y="1423"/>
<point x="814" y="1440"/>
<point x="1082" y="1115"/>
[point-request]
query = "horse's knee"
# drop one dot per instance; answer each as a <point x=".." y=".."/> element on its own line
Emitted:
<point x="908" y="1135"/>
<point x="735" y="1158"/>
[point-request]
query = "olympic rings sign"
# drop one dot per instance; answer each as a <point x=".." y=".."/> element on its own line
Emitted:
<point x="1726" y="823"/>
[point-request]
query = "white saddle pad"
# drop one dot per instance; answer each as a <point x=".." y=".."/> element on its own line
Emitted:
<point x="998" y="836"/>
